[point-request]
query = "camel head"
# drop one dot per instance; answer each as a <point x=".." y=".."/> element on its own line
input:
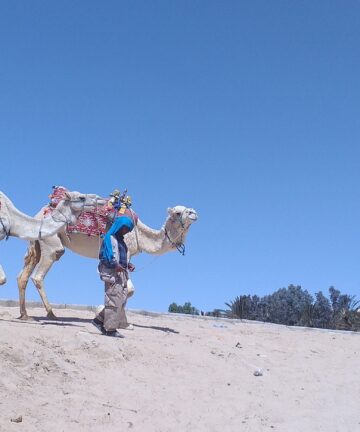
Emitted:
<point x="74" y="203"/>
<point x="177" y="225"/>
<point x="183" y="215"/>
<point x="2" y="276"/>
<point x="4" y="227"/>
<point x="4" y="223"/>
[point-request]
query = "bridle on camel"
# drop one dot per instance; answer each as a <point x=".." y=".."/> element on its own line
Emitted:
<point x="180" y="246"/>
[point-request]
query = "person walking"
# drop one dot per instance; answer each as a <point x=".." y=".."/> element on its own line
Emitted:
<point x="113" y="269"/>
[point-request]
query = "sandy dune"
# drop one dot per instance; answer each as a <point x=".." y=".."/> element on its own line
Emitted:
<point x="175" y="373"/>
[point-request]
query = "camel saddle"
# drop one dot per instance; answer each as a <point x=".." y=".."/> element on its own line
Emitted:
<point x="93" y="223"/>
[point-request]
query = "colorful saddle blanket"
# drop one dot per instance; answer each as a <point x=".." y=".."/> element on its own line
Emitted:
<point x="94" y="222"/>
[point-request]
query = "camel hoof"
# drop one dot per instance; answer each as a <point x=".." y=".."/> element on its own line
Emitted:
<point x="25" y="317"/>
<point x="51" y="315"/>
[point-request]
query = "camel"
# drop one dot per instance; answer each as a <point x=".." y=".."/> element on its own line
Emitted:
<point x="17" y="224"/>
<point x="41" y="254"/>
<point x="2" y="276"/>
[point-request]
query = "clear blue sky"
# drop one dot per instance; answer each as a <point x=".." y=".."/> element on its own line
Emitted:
<point x="247" y="111"/>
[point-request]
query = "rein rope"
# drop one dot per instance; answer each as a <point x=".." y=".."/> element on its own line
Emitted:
<point x="135" y="229"/>
<point x="99" y="235"/>
<point x="180" y="246"/>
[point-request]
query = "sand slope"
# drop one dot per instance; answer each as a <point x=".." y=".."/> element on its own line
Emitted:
<point x="175" y="373"/>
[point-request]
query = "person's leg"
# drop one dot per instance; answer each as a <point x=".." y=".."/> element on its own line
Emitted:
<point x="115" y="299"/>
<point x="124" y="325"/>
<point x="122" y="279"/>
<point x="116" y="291"/>
<point x="113" y="305"/>
<point x="100" y="314"/>
<point x="108" y="276"/>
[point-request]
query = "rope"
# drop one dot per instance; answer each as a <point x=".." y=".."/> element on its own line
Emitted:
<point x="178" y="247"/>
<point x="137" y="269"/>
<point x="41" y="224"/>
<point x="66" y="220"/>
<point x="135" y="228"/>
<point x="97" y="223"/>
<point x="158" y="256"/>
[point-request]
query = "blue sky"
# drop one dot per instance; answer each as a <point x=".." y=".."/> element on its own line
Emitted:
<point x="247" y="111"/>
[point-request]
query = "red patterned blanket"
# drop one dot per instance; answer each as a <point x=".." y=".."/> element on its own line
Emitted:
<point x="92" y="223"/>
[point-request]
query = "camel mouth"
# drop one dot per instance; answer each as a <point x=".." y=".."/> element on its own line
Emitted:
<point x="3" y="280"/>
<point x="193" y="217"/>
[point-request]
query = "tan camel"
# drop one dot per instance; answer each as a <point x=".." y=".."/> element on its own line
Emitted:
<point x="17" y="224"/>
<point x="41" y="254"/>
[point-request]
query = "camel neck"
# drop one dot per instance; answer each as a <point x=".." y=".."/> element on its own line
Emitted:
<point x="26" y="227"/>
<point x="149" y="240"/>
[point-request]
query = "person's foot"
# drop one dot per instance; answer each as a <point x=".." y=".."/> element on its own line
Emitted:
<point x="111" y="333"/>
<point x="97" y="323"/>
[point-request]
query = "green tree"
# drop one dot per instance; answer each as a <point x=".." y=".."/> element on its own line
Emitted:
<point x="175" y="308"/>
<point x="295" y="306"/>
<point x="187" y="308"/>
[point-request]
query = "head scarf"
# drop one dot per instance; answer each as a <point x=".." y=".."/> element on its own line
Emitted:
<point x="120" y="222"/>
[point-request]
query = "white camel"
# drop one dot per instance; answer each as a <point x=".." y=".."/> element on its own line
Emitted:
<point x="41" y="254"/>
<point x="2" y="276"/>
<point x="17" y="224"/>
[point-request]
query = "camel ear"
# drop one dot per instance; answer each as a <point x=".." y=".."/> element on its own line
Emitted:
<point x="67" y="195"/>
<point x="170" y="211"/>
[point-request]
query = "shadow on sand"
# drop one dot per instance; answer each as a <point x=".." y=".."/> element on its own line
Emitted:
<point x="164" y="329"/>
<point x="67" y="321"/>
<point x="76" y="322"/>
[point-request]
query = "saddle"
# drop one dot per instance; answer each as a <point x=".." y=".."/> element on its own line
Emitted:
<point x="91" y="222"/>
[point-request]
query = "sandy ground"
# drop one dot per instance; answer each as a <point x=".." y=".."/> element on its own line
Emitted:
<point x="175" y="373"/>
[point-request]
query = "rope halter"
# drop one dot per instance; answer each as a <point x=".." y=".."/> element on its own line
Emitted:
<point x="179" y="245"/>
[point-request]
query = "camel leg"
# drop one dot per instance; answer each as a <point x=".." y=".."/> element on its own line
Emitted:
<point x="51" y="251"/>
<point x="2" y="236"/>
<point x="31" y="259"/>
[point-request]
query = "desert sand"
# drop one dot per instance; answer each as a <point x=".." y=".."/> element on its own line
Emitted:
<point x="175" y="373"/>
